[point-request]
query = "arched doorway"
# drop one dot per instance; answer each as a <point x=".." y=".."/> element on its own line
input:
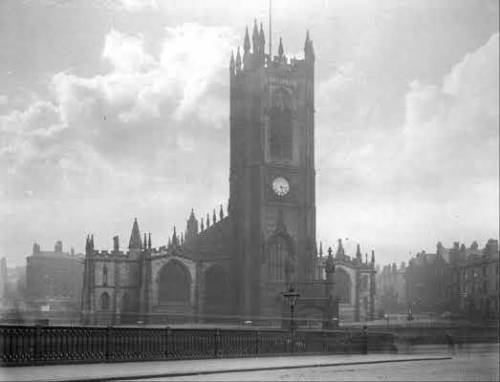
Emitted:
<point x="174" y="284"/>
<point x="343" y="286"/>
<point x="217" y="303"/>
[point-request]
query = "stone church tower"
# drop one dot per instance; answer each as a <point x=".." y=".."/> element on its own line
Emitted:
<point x="236" y="267"/>
<point x="272" y="176"/>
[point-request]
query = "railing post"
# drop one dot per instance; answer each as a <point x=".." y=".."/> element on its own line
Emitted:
<point x="365" y="340"/>
<point x="168" y="342"/>
<point x="37" y="345"/>
<point x="107" y="350"/>
<point x="217" y="343"/>
<point x="257" y="342"/>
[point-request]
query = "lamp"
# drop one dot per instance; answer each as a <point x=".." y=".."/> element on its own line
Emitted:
<point x="291" y="297"/>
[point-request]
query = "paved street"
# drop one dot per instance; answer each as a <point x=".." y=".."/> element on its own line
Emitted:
<point x="481" y="368"/>
<point x="471" y="362"/>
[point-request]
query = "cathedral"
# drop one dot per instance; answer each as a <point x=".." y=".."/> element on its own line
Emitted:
<point x="237" y="266"/>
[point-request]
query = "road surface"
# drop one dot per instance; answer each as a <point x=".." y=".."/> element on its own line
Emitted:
<point x="477" y="362"/>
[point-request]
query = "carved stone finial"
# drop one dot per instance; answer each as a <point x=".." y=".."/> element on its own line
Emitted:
<point x="329" y="264"/>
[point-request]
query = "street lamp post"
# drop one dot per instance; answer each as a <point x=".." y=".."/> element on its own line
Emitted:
<point x="291" y="296"/>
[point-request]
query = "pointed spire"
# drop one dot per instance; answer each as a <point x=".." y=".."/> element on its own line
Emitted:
<point x="92" y="241"/>
<point x="221" y="213"/>
<point x="231" y="63"/>
<point x="145" y="241"/>
<point x="202" y="227"/>
<point x="87" y="245"/>
<point x="135" y="236"/>
<point x="208" y="221"/>
<point x="366" y="258"/>
<point x="246" y="43"/>
<point x="321" y="249"/>
<point x="214" y="217"/>
<point x="340" y="250"/>
<point x="149" y="240"/>
<point x="308" y="48"/>
<point x="261" y="51"/>
<point x="175" y="240"/>
<point x="238" y="60"/>
<point x="358" y="253"/>
<point x="255" y="38"/>
<point x="191" y="227"/>
<point x="281" y="51"/>
<point x="373" y="256"/>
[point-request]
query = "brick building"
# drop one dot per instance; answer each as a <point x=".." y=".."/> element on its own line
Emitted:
<point x="459" y="279"/>
<point x="53" y="280"/>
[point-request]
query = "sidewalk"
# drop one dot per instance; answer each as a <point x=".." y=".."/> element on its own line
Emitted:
<point x="135" y="370"/>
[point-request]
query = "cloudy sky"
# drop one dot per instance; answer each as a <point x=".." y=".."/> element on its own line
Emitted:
<point x="116" y="109"/>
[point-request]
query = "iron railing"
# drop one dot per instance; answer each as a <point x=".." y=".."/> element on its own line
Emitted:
<point x="35" y="345"/>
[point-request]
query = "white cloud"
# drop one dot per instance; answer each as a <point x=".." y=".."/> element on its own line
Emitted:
<point x="434" y="178"/>
<point x="125" y="52"/>
<point x="120" y="140"/>
<point x="451" y="129"/>
<point x="138" y="84"/>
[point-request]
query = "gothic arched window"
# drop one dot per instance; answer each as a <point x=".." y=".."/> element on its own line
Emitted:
<point x="104" y="301"/>
<point x="280" y="133"/>
<point x="278" y="255"/>
<point x="174" y="283"/>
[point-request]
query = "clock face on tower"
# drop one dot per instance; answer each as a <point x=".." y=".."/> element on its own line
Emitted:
<point x="281" y="186"/>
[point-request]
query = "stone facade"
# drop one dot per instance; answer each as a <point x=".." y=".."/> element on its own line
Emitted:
<point x="355" y="283"/>
<point x="238" y="266"/>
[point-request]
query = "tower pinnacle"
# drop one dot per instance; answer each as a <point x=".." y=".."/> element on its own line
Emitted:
<point x="135" y="236"/>
<point x="246" y="43"/>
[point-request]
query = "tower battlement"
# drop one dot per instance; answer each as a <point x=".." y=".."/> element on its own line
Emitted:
<point x="254" y="58"/>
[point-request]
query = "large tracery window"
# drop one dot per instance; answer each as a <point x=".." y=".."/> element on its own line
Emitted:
<point x="174" y="283"/>
<point x="278" y="254"/>
<point x="280" y="134"/>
